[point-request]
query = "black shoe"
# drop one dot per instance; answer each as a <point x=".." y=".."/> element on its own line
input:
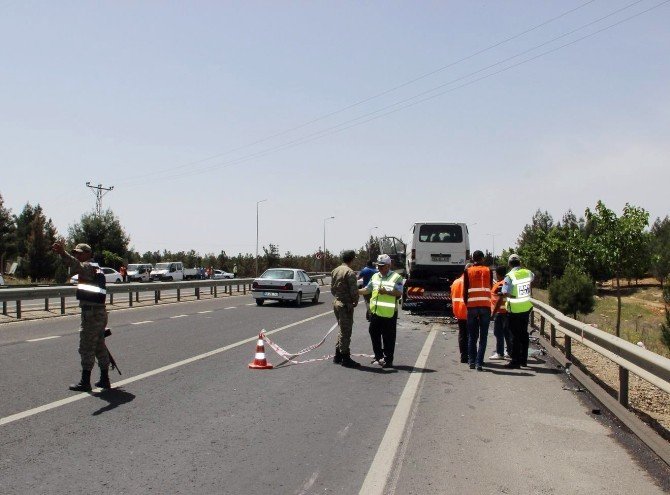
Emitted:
<point x="84" y="384"/>
<point x="472" y="366"/>
<point x="104" y="380"/>
<point x="512" y="366"/>
<point x="479" y="368"/>
<point x="337" y="358"/>
<point x="464" y="360"/>
<point x="347" y="362"/>
<point x="387" y="364"/>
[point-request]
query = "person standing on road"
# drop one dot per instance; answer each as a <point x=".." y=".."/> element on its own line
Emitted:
<point x="385" y="288"/>
<point x="461" y="314"/>
<point x="366" y="274"/>
<point x="235" y="270"/>
<point x="500" y="322"/>
<point x="477" y="282"/>
<point x="123" y="272"/>
<point x="344" y="289"/>
<point x="516" y="288"/>
<point x="91" y="294"/>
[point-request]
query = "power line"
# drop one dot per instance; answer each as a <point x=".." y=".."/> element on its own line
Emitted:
<point x="369" y="98"/>
<point x="99" y="192"/>
<point x="417" y="99"/>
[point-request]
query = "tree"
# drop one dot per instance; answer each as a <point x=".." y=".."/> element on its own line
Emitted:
<point x="660" y="249"/>
<point x="616" y="242"/>
<point x="271" y="256"/>
<point x="39" y="261"/>
<point x="102" y="232"/>
<point x="573" y="293"/>
<point x="7" y="234"/>
<point x="665" y="327"/>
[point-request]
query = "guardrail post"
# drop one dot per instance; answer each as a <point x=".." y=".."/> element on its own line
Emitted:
<point x="244" y="288"/>
<point x="216" y="291"/>
<point x="130" y="299"/>
<point x="46" y="304"/>
<point x="62" y="305"/>
<point x="178" y="295"/>
<point x="542" y="325"/>
<point x="157" y="296"/>
<point x="623" y="386"/>
<point x="568" y="347"/>
<point x="552" y="338"/>
<point x="18" y="309"/>
<point x="111" y="298"/>
<point x="4" y="308"/>
<point x="137" y="296"/>
<point x="197" y="292"/>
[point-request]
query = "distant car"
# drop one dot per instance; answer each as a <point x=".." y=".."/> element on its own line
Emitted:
<point x="219" y="274"/>
<point x="285" y="284"/>
<point x="111" y="276"/>
<point x="139" y="272"/>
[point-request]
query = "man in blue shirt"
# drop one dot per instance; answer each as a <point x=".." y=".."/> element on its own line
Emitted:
<point x="366" y="274"/>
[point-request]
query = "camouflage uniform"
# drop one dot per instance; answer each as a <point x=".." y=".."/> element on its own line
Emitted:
<point x="93" y="319"/>
<point x="345" y="289"/>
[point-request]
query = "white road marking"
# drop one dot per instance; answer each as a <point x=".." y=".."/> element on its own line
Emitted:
<point x="252" y="304"/>
<point x="382" y="464"/>
<point x="343" y="432"/>
<point x="177" y="316"/>
<point x="43" y="338"/>
<point x="203" y="312"/>
<point x="231" y="307"/>
<point x="84" y="395"/>
<point x="308" y="484"/>
<point x="141" y="322"/>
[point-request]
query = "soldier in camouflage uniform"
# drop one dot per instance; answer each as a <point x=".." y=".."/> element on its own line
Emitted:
<point x="93" y="316"/>
<point x="345" y="289"/>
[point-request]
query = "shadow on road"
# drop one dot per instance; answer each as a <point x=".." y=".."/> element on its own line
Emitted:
<point x="114" y="397"/>
<point x="395" y="369"/>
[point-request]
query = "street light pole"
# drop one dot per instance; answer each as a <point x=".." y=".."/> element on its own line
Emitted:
<point x="324" y="241"/>
<point x="493" y="247"/>
<point x="369" y="237"/>
<point x="257" y="203"/>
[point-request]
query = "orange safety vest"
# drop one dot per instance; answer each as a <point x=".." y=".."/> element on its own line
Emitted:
<point x="495" y="297"/>
<point x="479" y="290"/>
<point x="460" y="311"/>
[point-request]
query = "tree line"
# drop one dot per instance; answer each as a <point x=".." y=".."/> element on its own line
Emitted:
<point x="28" y="236"/>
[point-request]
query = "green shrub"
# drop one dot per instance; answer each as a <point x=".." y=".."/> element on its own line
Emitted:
<point x="573" y="293"/>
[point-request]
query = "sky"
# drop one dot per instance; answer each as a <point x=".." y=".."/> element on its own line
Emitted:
<point x="377" y="113"/>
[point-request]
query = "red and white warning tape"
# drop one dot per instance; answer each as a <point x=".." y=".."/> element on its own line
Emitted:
<point x="290" y="357"/>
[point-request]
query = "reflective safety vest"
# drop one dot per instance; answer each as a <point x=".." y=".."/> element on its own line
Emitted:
<point x="495" y="295"/>
<point x="460" y="310"/>
<point x="479" y="288"/>
<point x="519" y="297"/>
<point x="93" y="292"/>
<point x="383" y="305"/>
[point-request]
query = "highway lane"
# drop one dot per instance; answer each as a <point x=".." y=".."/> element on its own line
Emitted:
<point x="211" y="426"/>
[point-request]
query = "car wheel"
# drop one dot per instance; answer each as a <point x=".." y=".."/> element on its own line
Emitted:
<point x="298" y="299"/>
<point x="117" y="281"/>
<point x="169" y="279"/>
<point x="259" y="302"/>
<point x="315" y="299"/>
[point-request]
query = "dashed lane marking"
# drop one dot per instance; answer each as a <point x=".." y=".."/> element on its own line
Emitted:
<point x="141" y="322"/>
<point x="252" y="304"/>
<point x="43" y="338"/>
<point x="177" y="316"/>
<point x="157" y="371"/>
<point x="203" y="312"/>
<point x="230" y="307"/>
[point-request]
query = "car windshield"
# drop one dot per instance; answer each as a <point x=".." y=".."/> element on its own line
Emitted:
<point x="134" y="267"/>
<point x="441" y="233"/>
<point x="278" y="274"/>
<point x="162" y="266"/>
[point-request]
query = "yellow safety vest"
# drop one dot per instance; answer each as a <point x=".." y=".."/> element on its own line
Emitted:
<point x="383" y="305"/>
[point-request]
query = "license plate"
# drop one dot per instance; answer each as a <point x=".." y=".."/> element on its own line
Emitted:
<point x="438" y="257"/>
<point x="270" y="294"/>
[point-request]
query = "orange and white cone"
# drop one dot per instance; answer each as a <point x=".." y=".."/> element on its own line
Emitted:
<point x="259" y="362"/>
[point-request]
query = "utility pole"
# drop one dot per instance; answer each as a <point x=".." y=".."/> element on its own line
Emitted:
<point x="98" y="191"/>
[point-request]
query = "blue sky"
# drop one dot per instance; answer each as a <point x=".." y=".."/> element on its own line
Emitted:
<point x="194" y="111"/>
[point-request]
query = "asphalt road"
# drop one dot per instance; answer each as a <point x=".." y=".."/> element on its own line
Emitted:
<point x="188" y="416"/>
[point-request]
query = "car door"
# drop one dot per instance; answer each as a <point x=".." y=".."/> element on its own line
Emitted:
<point x="307" y="287"/>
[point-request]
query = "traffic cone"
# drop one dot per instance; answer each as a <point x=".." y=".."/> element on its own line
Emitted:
<point x="259" y="362"/>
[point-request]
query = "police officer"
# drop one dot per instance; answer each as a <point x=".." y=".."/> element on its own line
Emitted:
<point x="385" y="287"/>
<point x="516" y="288"/>
<point x="91" y="293"/>
<point x="344" y="288"/>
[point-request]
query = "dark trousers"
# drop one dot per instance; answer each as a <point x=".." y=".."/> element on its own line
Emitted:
<point x="518" y="326"/>
<point x="463" y="340"/>
<point x="382" y="334"/>
<point x="478" y="330"/>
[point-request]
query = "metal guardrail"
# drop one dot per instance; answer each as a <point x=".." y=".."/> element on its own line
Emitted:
<point x="629" y="357"/>
<point x="132" y="289"/>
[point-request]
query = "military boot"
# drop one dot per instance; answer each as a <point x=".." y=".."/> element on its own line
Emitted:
<point x="337" y="359"/>
<point x="104" y="380"/>
<point x="85" y="384"/>
<point x="347" y="362"/>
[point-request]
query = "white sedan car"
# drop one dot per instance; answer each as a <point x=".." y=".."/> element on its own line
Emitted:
<point x="219" y="274"/>
<point x="111" y="276"/>
<point x="285" y="284"/>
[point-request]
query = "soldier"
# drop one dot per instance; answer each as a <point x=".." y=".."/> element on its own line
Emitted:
<point x="344" y="288"/>
<point x="91" y="294"/>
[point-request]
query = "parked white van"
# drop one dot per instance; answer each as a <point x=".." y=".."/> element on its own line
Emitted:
<point x="438" y="249"/>
<point x="139" y="272"/>
<point x="169" y="270"/>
